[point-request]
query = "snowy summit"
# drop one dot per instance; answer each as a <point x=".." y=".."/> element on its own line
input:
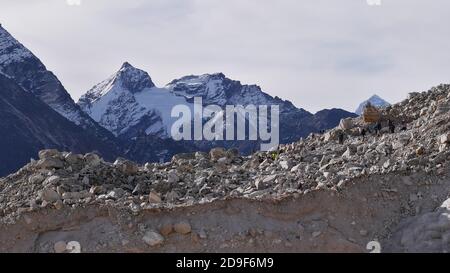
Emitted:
<point x="375" y="100"/>
<point x="129" y="101"/>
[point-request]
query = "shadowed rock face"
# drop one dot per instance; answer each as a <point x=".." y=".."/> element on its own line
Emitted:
<point x="25" y="69"/>
<point x="29" y="125"/>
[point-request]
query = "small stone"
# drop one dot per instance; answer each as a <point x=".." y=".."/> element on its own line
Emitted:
<point x="126" y="166"/>
<point x="423" y="111"/>
<point x="166" y="229"/>
<point x="445" y="139"/>
<point x="154" y="198"/>
<point x="269" y="179"/>
<point x="148" y="166"/>
<point x="33" y="204"/>
<point x="85" y="180"/>
<point x="76" y="195"/>
<point x="194" y="237"/>
<point x="172" y="196"/>
<point x="60" y="247"/>
<point x="217" y="153"/>
<point x="153" y="238"/>
<point x="36" y="179"/>
<point x="50" y="163"/>
<point x="172" y="177"/>
<point x="49" y="195"/>
<point x="59" y="205"/>
<point x="284" y="165"/>
<point x="183" y="156"/>
<point x="72" y="159"/>
<point x="420" y="151"/>
<point x="200" y="155"/>
<point x="349" y="152"/>
<point x="346" y="124"/>
<point x="48" y="153"/>
<point x="138" y="189"/>
<point x="223" y="161"/>
<point x="52" y="180"/>
<point x="61" y="190"/>
<point x="260" y="185"/>
<point x="92" y="160"/>
<point x="183" y="228"/>
<point x="96" y="190"/>
<point x="232" y="153"/>
<point x="115" y="194"/>
<point x="296" y="168"/>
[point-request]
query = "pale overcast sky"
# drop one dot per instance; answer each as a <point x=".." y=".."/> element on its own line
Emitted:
<point x="316" y="53"/>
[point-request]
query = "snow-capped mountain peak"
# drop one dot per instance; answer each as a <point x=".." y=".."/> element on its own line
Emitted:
<point x="133" y="79"/>
<point x="219" y="90"/>
<point x="128" y="102"/>
<point x="375" y="100"/>
<point x="211" y="87"/>
<point x="128" y="77"/>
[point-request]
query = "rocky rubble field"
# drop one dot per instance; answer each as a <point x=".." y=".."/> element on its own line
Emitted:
<point x="329" y="192"/>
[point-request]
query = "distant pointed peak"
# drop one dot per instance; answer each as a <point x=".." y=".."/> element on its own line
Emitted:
<point x="375" y="96"/>
<point x="126" y="65"/>
<point x="374" y="100"/>
<point x="128" y="69"/>
<point x="132" y="78"/>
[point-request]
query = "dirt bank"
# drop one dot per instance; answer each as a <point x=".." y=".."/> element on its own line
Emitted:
<point x="373" y="208"/>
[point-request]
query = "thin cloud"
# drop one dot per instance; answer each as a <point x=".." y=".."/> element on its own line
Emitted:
<point x="73" y="2"/>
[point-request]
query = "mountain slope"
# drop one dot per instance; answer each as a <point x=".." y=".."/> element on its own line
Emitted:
<point x="29" y="125"/>
<point x="375" y="100"/>
<point x="30" y="73"/>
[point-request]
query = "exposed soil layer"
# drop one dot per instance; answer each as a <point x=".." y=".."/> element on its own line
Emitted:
<point x="380" y="208"/>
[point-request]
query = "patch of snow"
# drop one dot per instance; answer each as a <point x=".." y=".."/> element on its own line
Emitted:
<point x="162" y="102"/>
<point x="118" y="109"/>
<point x="209" y="86"/>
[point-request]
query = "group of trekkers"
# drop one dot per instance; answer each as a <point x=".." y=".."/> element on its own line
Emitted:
<point x="375" y="125"/>
<point x="371" y="129"/>
<point x="375" y="129"/>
